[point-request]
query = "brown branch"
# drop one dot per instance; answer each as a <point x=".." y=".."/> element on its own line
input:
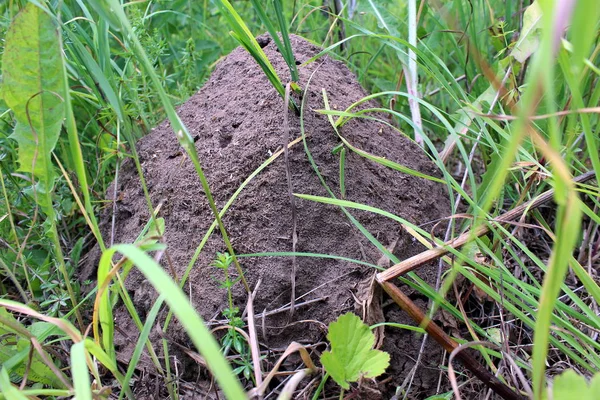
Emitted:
<point x="449" y="344"/>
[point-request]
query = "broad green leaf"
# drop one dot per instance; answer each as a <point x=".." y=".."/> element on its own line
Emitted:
<point x="529" y="40"/>
<point x="351" y="354"/>
<point x="571" y="385"/>
<point x="38" y="371"/>
<point x="14" y="349"/>
<point x="33" y="88"/>
<point x="595" y="384"/>
<point x="42" y="330"/>
<point x="384" y="18"/>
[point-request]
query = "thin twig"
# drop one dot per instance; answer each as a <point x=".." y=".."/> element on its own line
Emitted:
<point x="288" y="174"/>
<point x="253" y="343"/>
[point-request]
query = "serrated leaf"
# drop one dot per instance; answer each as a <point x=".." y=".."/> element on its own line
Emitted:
<point x="351" y="354"/>
<point x="33" y="88"/>
<point x="38" y="371"/>
<point x="14" y="350"/>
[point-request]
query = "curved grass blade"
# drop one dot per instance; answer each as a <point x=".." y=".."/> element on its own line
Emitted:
<point x="81" y="379"/>
<point x="191" y="321"/>
<point x="181" y="132"/>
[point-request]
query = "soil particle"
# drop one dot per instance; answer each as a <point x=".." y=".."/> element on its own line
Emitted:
<point x="236" y="121"/>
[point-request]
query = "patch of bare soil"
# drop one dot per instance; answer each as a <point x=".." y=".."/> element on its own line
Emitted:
<point x="237" y="123"/>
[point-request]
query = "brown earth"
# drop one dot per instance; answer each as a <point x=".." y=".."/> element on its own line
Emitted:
<point x="237" y="123"/>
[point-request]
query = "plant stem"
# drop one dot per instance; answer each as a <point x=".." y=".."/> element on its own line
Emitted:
<point x="62" y="267"/>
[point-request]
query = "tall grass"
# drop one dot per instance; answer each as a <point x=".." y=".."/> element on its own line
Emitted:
<point x="503" y="104"/>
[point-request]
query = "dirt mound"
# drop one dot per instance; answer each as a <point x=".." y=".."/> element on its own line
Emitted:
<point x="237" y="123"/>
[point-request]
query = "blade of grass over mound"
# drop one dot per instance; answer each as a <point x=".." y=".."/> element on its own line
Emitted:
<point x="243" y="35"/>
<point x="285" y="48"/>
<point x="189" y="319"/>
<point x="287" y="51"/>
<point x="144" y="335"/>
<point x="180" y="130"/>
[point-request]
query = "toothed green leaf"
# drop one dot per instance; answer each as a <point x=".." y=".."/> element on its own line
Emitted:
<point x="351" y="354"/>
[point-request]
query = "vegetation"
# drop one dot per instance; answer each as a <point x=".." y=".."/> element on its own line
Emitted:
<point x="504" y="105"/>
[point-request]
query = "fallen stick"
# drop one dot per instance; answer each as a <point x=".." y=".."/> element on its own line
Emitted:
<point x="449" y="344"/>
<point x="414" y="262"/>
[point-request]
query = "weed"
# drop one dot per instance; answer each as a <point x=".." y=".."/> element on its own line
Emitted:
<point x="352" y="356"/>
<point x="233" y="339"/>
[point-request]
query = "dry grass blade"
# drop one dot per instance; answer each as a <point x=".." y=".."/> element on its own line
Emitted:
<point x="63" y="324"/>
<point x="414" y="262"/>
<point x="253" y="340"/>
<point x="292" y="384"/>
<point x="292" y="348"/>
<point x="456" y="353"/>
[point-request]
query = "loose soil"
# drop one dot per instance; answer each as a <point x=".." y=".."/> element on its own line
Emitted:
<point x="236" y="121"/>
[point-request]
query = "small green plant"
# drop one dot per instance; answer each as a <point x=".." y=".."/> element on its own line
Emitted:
<point x="352" y="355"/>
<point x="571" y="385"/>
<point x="223" y="262"/>
<point x="243" y="35"/>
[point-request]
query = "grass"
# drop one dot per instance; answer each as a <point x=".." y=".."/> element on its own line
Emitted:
<point x="490" y="91"/>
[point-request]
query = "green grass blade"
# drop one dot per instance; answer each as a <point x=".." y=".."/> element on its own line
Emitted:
<point x="287" y="50"/>
<point x="7" y="389"/>
<point x="243" y="35"/>
<point x="143" y="338"/>
<point x="191" y="321"/>
<point x="81" y="378"/>
<point x="343" y="172"/>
